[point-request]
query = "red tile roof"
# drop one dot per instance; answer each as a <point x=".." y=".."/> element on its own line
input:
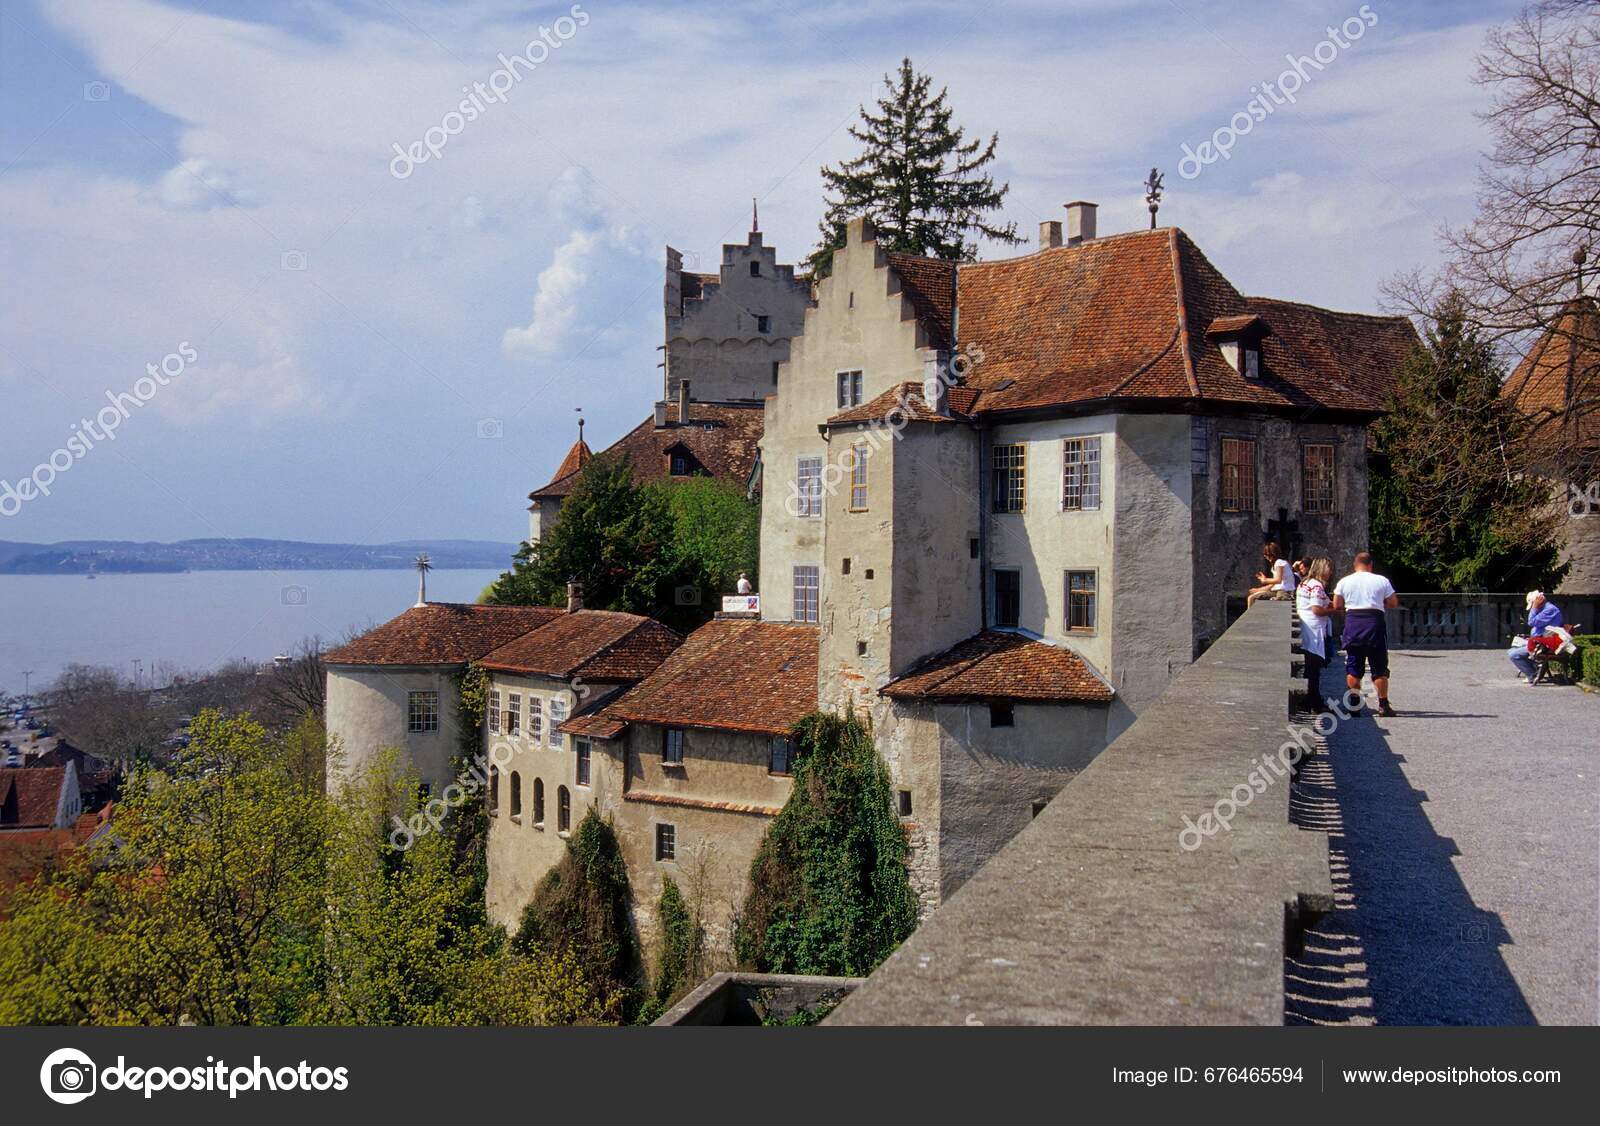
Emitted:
<point x="441" y="633"/>
<point x="720" y="439"/>
<point x="30" y="796"/>
<point x="595" y="644"/>
<point x="930" y="284"/>
<point x="577" y="457"/>
<point x="1125" y="317"/>
<point x="905" y="401"/>
<point x="1558" y="381"/>
<point x="730" y="674"/>
<point x="996" y="665"/>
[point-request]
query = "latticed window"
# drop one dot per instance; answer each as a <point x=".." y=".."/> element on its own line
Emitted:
<point x="806" y="585"/>
<point x="494" y="712"/>
<point x="1081" y="598"/>
<point x="558" y="713"/>
<point x="858" y="479"/>
<point x="849" y="388"/>
<point x="422" y="712"/>
<point x="808" y="486"/>
<point x="1317" y="478"/>
<point x="1010" y="477"/>
<point x="584" y="749"/>
<point x="1007" y="599"/>
<point x="1238" y="475"/>
<point x="535" y="718"/>
<point x="666" y="842"/>
<point x="672" y="745"/>
<point x="1080" y="474"/>
<point x="514" y="714"/>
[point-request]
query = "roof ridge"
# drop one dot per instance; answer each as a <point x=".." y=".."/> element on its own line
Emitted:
<point x="1386" y="317"/>
<point x="1098" y="240"/>
<point x="1183" y="316"/>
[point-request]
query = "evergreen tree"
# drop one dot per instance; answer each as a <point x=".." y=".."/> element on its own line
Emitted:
<point x="829" y="893"/>
<point x="917" y="178"/>
<point x="1451" y="504"/>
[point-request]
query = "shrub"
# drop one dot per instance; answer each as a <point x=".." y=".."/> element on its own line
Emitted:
<point x="580" y="909"/>
<point x="829" y="892"/>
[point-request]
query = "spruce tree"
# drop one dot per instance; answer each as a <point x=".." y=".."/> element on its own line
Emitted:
<point x="1452" y="504"/>
<point x="917" y="178"/>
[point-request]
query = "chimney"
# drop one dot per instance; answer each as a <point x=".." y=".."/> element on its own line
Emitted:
<point x="1080" y="221"/>
<point x="1049" y="234"/>
<point x="574" y="597"/>
<point x="935" y="384"/>
<point x="661" y="415"/>
<point x="683" y="402"/>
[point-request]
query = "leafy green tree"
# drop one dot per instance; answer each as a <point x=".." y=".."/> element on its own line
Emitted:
<point x="1452" y="504"/>
<point x="580" y="909"/>
<point x="917" y="178"/>
<point x="664" y="549"/>
<point x="829" y="893"/>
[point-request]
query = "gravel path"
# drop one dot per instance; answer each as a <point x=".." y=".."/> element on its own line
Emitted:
<point x="1465" y="841"/>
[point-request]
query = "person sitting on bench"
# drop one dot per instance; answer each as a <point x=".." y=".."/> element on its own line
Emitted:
<point x="1542" y="616"/>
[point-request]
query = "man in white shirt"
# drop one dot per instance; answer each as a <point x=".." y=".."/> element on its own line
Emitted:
<point x="1362" y="596"/>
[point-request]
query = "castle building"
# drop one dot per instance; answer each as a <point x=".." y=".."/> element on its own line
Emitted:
<point x="1081" y="449"/>
<point x="726" y="336"/>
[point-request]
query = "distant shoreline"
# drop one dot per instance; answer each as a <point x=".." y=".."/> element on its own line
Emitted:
<point x="118" y="557"/>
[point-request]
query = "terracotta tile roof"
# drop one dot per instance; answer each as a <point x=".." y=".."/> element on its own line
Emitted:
<point x="730" y="674"/>
<point x="1562" y="370"/>
<point x="700" y="803"/>
<point x="30" y="796"/>
<point x="906" y="401"/>
<point x="595" y="725"/>
<point x="996" y="665"/>
<point x="596" y="644"/>
<point x="1241" y="324"/>
<point x="930" y="284"/>
<point x="441" y="633"/>
<point x="577" y="457"/>
<point x="1125" y="317"/>
<point x="721" y="440"/>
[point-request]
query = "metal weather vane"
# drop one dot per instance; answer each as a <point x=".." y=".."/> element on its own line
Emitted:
<point x="1152" y="194"/>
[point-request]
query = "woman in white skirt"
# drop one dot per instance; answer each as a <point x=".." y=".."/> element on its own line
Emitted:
<point x="1315" y="609"/>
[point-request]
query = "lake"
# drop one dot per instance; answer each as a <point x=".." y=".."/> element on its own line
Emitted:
<point x="198" y="619"/>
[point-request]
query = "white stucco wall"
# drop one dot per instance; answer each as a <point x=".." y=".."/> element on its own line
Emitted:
<point x="367" y="711"/>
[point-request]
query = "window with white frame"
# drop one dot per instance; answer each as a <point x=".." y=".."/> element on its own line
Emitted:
<point x="494" y="712"/>
<point x="1082" y="596"/>
<point x="535" y="718"/>
<point x="1080" y="474"/>
<point x="666" y="842"/>
<point x="514" y="714"/>
<point x="849" y="387"/>
<point x="806" y="587"/>
<point x="558" y="713"/>
<point x="1010" y="477"/>
<point x="672" y="746"/>
<point x="808" y="486"/>
<point x="858" y="479"/>
<point x="422" y="712"/>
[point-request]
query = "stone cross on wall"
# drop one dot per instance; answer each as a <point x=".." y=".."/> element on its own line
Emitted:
<point x="1286" y="534"/>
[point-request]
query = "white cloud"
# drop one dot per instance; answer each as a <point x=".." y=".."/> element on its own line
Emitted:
<point x="196" y="184"/>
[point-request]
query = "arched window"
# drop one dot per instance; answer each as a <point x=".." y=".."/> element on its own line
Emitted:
<point x="494" y="791"/>
<point x="563" y="810"/>
<point x="538" y="803"/>
<point x="516" y="796"/>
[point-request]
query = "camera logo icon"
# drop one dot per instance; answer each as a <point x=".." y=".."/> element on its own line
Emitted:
<point x="491" y="428"/>
<point x="686" y="596"/>
<point x="68" y="1076"/>
<point x="294" y="596"/>
<point x="96" y="92"/>
<point x="293" y="260"/>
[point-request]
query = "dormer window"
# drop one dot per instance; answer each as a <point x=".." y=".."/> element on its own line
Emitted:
<point x="680" y="465"/>
<point x="1239" y="339"/>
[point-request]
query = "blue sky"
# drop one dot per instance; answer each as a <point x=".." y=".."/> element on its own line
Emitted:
<point x="217" y="175"/>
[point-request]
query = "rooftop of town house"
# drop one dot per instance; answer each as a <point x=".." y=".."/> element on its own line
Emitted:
<point x="907" y="401"/>
<point x="719" y="440"/>
<point x="1124" y="318"/>
<point x="731" y="675"/>
<point x="30" y="796"/>
<point x="601" y="645"/>
<point x="1562" y="369"/>
<point x="999" y="665"/>
<point x="441" y="633"/>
